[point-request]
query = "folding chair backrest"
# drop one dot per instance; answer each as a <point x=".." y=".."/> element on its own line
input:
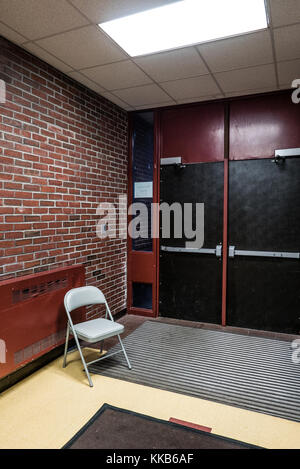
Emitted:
<point x="83" y="296"/>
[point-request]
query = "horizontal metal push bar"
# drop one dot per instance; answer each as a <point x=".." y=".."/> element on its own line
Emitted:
<point x="283" y="255"/>
<point x="170" y="161"/>
<point x="216" y="252"/>
<point x="233" y="252"/>
<point x="288" y="152"/>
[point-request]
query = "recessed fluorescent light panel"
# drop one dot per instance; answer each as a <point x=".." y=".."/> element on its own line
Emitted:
<point x="184" y="23"/>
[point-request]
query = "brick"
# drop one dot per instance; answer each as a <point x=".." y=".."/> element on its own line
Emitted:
<point x="63" y="150"/>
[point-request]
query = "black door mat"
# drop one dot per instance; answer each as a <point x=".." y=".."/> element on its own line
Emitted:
<point x="115" y="428"/>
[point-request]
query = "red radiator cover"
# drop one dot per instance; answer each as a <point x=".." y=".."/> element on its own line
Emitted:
<point x="32" y="314"/>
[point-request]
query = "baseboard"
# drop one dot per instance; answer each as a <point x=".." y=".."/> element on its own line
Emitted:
<point x="120" y="314"/>
<point x="26" y="370"/>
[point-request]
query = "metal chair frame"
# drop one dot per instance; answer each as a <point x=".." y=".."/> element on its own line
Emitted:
<point x="71" y="330"/>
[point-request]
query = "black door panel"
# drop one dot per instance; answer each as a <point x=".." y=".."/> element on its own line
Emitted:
<point x="190" y="284"/>
<point x="264" y="215"/>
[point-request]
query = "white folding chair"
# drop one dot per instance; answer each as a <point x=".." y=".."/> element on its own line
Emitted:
<point x="94" y="330"/>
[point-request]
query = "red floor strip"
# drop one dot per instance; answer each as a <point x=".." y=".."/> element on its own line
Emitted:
<point x="191" y="425"/>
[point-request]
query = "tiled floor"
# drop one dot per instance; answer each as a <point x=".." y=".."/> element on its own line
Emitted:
<point x="46" y="409"/>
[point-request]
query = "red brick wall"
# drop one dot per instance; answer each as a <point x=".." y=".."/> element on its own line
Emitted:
<point x="63" y="150"/>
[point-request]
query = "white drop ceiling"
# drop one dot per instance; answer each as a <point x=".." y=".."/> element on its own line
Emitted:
<point x="64" y="33"/>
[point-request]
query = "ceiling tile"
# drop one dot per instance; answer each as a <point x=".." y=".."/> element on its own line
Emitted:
<point x="39" y="18"/>
<point x="284" y="12"/>
<point x="38" y="52"/>
<point x="118" y="75"/>
<point x="285" y="87"/>
<point x="104" y="10"/>
<point x="86" y="82"/>
<point x="84" y="47"/>
<point x="238" y="52"/>
<point x="114" y="99"/>
<point x="249" y="92"/>
<point x="287" y="41"/>
<point x="180" y="63"/>
<point x="143" y="95"/>
<point x="156" y="105"/>
<point x="288" y="71"/>
<point x="191" y="87"/>
<point x="11" y="35"/>
<point x="200" y="98"/>
<point x="247" y="78"/>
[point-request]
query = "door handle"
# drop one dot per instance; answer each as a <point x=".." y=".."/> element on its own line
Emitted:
<point x="232" y="252"/>
<point x="216" y="252"/>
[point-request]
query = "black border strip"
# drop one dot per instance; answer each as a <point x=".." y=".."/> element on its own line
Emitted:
<point x="152" y="419"/>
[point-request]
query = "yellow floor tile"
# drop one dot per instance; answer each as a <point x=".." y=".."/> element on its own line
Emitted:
<point x="46" y="409"/>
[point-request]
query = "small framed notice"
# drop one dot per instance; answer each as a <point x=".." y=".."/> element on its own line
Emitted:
<point x="143" y="190"/>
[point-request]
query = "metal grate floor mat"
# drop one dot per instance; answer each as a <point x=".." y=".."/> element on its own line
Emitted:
<point x="253" y="373"/>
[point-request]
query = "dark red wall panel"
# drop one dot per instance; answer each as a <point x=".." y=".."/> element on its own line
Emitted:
<point x="32" y="315"/>
<point x="260" y="125"/>
<point x="195" y="133"/>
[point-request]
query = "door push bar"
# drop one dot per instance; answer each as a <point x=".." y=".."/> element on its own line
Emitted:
<point x="284" y="255"/>
<point x="216" y="252"/>
<point x="233" y="252"/>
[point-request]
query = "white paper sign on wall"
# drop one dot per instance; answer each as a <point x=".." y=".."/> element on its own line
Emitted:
<point x="143" y="190"/>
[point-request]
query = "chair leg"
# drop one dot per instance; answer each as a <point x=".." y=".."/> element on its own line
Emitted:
<point x="101" y="347"/>
<point x="124" y="351"/>
<point x="66" y="346"/>
<point x="83" y="360"/>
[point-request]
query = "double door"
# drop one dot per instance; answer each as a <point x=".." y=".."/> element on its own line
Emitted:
<point x="262" y="288"/>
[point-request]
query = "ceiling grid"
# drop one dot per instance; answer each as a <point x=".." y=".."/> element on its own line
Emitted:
<point x="65" y="34"/>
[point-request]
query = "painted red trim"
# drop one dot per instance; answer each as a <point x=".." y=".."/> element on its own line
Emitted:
<point x="225" y="211"/>
<point x="157" y="155"/>
<point x="191" y="425"/>
<point x="129" y="195"/>
<point x="130" y="276"/>
<point x="225" y="243"/>
<point x="27" y="278"/>
<point x="140" y="312"/>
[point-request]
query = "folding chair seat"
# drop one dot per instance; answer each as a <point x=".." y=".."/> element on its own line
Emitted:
<point x="94" y="330"/>
<point x="89" y="330"/>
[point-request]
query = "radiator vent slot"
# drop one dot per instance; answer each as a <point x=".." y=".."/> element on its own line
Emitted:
<point x="38" y="289"/>
<point x="38" y="347"/>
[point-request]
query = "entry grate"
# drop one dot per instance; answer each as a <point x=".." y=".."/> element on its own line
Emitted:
<point x="253" y="373"/>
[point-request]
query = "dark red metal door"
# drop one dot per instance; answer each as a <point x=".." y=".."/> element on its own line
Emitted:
<point x="143" y="189"/>
<point x="190" y="285"/>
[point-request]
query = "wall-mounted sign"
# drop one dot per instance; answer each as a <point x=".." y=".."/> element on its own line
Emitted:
<point x="143" y="190"/>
